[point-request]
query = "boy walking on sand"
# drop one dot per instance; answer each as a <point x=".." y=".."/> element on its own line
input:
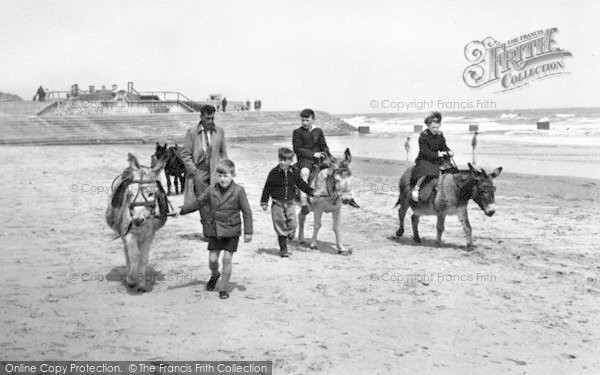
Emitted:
<point x="225" y="200"/>
<point x="281" y="188"/>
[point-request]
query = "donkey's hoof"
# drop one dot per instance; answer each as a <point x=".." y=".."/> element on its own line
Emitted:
<point x="470" y="247"/>
<point x="399" y="232"/>
<point x="313" y="246"/>
<point x="131" y="282"/>
<point x="417" y="239"/>
<point x="343" y="252"/>
<point x="141" y="289"/>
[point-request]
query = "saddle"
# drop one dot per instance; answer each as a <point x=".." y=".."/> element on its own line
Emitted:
<point x="429" y="189"/>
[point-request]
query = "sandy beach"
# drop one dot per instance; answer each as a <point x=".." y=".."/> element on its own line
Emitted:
<point x="525" y="301"/>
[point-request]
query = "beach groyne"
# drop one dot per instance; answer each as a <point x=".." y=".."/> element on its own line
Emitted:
<point x="146" y="128"/>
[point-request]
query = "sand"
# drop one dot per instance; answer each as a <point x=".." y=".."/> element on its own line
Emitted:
<point x="525" y="301"/>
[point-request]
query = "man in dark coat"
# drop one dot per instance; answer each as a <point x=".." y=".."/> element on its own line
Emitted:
<point x="432" y="151"/>
<point x="309" y="146"/>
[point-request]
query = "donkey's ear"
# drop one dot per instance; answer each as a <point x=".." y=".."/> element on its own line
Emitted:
<point x="496" y="172"/>
<point x="475" y="169"/>
<point x="133" y="162"/>
<point x="347" y="155"/>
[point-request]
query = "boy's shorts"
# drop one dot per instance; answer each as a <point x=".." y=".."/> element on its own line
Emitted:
<point x="223" y="243"/>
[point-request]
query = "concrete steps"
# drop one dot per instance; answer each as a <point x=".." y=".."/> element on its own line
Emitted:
<point x="80" y="129"/>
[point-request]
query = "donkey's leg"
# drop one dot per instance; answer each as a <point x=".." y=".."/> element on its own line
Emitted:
<point x="441" y="219"/>
<point x="134" y="255"/>
<point x="126" y="252"/>
<point x="318" y="214"/>
<point x="301" y="221"/>
<point x="464" y="220"/>
<point x="337" y="229"/>
<point x="176" y="183"/>
<point x="401" y="214"/>
<point x="181" y="182"/>
<point x="144" y="247"/>
<point x="415" y="226"/>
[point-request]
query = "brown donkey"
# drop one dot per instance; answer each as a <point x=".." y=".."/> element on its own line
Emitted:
<point x="453" y="194"/>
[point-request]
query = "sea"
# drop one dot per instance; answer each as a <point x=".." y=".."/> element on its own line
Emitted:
<point x="507" y="138"/>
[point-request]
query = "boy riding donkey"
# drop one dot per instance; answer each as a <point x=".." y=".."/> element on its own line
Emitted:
<point x="433" y="153"/>
<point x="310" y="148"/>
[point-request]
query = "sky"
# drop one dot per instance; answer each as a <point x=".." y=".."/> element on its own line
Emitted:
<point x="336" y="56"/>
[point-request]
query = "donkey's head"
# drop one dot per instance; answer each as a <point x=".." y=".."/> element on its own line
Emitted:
<point x="160" y="150"/>
<point x="141" y="184"/>
<point x="336" y="179"/>
<point x="483" y="189"/>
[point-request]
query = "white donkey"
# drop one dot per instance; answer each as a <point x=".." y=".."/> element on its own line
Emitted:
<point x="137" y="208"/>
<point x="332" y="189"/>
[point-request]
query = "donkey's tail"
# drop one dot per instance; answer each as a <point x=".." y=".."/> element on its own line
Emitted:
<point x="403" y="186"/>
<point x="399" y="201"/>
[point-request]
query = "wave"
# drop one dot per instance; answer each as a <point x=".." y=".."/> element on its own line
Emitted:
<point x="509" y="116"/>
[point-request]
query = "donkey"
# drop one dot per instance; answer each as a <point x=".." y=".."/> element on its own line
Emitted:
<point x="454" y="190"/>
<point x="174" y="166"/>
<point x="332" y="188"/>
<point x="137" y="209"/>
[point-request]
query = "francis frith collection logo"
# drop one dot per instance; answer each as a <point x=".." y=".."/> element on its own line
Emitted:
<point x="514" y="63"/>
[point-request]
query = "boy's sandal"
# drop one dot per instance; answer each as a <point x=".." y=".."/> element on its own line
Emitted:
<point x="223" y="294"/>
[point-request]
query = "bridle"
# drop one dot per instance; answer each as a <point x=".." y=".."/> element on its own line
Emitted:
<point x="142" y="185"/>
<point x="146" y="201"/>
<point x="330" y="182"/>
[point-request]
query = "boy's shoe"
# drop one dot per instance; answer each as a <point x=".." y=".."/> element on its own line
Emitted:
<point x="284" y="253"/>
<point x="223" y="294"/>
<point x="210" y="285"/>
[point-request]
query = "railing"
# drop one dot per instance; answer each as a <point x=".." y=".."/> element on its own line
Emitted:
<point x="166" y="95"/>
<point x="57" y="95"/>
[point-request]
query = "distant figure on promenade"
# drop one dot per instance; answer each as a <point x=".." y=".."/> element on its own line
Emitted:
<point x="40" y="95"/>
<point x="256" y="105"/>
<point x="407" y="147"/>
<point x="259" y="104"/>
<point x="474" y="144"/>
<point x="224" y="103"/>
<point x="247" y="105"/>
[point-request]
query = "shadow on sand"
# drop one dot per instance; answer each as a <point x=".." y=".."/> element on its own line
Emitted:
<point x="303" y="247"/>
<point x="431" y="243"/>
<point x="119" y="274"/>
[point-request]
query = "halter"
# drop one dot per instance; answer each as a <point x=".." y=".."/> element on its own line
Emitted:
<point x="141" y="184"/>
